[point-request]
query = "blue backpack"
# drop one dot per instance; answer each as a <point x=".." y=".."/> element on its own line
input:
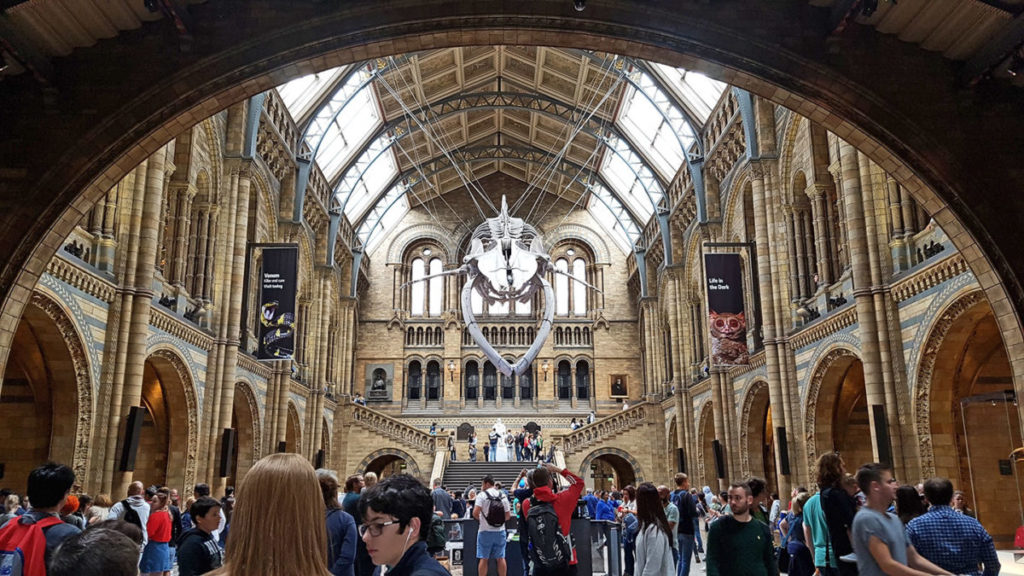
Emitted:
<point x="630" y="527"/>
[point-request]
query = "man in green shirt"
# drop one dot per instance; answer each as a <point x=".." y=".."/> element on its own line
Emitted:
<point x="737" y="546"/>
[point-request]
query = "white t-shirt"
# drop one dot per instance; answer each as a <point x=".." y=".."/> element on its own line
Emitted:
<point x="482" y="503"/>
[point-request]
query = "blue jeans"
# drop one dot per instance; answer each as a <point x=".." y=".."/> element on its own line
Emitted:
<point x="629" y="556"/>
<point x="686" y="543"/>
<point x="696" y="534"/>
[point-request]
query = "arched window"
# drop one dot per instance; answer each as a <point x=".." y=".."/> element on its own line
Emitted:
<point x="579" y="290"/>
<point x="564" y="380"/>
<point x="472" y="380"/>
<point x="415" y="379"/>
<point x="419" y="289"/>
<point x="433" y="380"/>
<point x="526" y="384"/>
<point x="582" y="380"/>
<point x="490" y="381"/>
<point x="436" y="287"/>
<point x="561" y="288"/>
<point x="508" y="386"/>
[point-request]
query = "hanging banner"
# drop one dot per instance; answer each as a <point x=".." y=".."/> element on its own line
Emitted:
<point x="726" y="321"/>
<point x="277" y="303"/>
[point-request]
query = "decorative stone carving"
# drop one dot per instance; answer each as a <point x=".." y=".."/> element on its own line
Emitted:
<point x="246" y="390"/>
<point x="73" y="343"/>
<point x="606" y="428"/>
<point x="922" y="387"/>
<point x="389" y="427"/>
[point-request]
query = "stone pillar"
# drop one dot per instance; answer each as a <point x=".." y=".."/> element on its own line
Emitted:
<point x="138" y="332"/>
<point x="864" y="300"/>
<point x="770" y="323"/>
<point x="720" y="410"/>
<point x="821" y="237"/>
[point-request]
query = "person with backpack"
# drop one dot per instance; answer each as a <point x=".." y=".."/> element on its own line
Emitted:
<point x="198" y="552"/>
<point x="156" y="556"/>
<point x="134" y="509"/>
<point x="687" y="508"/>
<point x="492" y="510"/>
<point x="551" y="551"/>
<point x="630" y="526"/>
<point x="26" y="542"/>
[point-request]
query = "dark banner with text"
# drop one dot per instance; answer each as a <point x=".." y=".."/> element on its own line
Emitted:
<point x="278" y="280"/>
<point x="726" y="321"/>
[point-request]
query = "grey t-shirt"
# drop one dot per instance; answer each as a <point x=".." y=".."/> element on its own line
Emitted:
<point x="886" y="527"/>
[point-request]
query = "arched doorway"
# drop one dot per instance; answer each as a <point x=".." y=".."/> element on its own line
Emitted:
<point x="758" y="455"/>
<point x="610" y="468"/>
<point x="325" y="446"/>
<point x="837" y="411"/>
<point x="965" y="387"/>
<point x="245" y="422"/>
<point x="164" y="445"/>
<point x="293" y="432"/>
<point x="709" y="471"/>
<point x="388" y="461"/>
<point x="46" y="389"/>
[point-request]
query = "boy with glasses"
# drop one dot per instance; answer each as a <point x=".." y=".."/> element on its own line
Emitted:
<point x="396" y="517"/>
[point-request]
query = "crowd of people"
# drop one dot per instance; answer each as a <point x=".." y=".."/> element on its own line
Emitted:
<point x="287" y="518"/>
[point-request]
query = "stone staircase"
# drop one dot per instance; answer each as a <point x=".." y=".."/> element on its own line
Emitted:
<point x="458" y="475"/>
<point x="605" y="428"/>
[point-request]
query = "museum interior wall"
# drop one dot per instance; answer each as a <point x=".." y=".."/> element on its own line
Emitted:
<point x="864" y="324"/>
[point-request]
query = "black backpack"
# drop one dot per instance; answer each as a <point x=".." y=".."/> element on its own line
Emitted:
<point x="436" y="539"/>
<point x="495" y="513"/>
<point x="130" y="515"/>
<point x="549" y="548"/>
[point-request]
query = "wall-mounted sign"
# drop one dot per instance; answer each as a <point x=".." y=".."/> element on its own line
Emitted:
<point x="726" y="320"/>
<point x="278" y="282"/>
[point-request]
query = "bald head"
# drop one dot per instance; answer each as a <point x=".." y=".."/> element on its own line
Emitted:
<point x="136" y="488"/>
<point x="663" y="493"/>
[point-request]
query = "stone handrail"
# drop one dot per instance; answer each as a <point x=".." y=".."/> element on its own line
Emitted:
<point x="605" y="428"/>
<point x="392" y="428"/>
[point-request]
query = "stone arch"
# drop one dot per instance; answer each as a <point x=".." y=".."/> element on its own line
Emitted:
<point x="293" y="429"/>
<point x="582" y="234"/>
<point x="960" y="395"/>
<point x="166" y="364"/>
<point x="837" y="358"/>
<point x="246" y="421"/>
<point x="325" y="441"/>
<point x="413" y="234"/>
<point x="757" y="449"/>
<point x="619" y="461"/>
<point x="49" y="369"/>
<point x="846" y="102"/>
<point x="705" y="437"/>
<point x="386" y="456"/>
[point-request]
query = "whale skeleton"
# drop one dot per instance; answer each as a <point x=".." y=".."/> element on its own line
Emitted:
<point x="506" y="263"/>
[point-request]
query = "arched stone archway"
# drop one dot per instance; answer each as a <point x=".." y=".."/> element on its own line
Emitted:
<point x="389" y="461"/>
<point x="964" y="421"/>
<point x="613" y="463"/>
<point x="757" y="435"/>
<point x="46" y="402"/>
<point x="245" y="419"/>
<point x="836" y="410"/>
<point x="293" y="430"/>
<point x="325" y="443"/>
<point x="705" y="439"/>
<point x="170" y="438"/>
<point x="846" y="95"/>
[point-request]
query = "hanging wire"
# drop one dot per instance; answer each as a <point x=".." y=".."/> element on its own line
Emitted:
<point x="568" y="139"/>
<point x="444" y="149"/>
<point x="577" y="128"/>
<point x="970" y="464"/>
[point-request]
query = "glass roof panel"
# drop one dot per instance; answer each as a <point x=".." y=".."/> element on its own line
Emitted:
<point x="612" y="216"/>
<point x="646" y="125"/>
<point x="300" y="94"/>
<point x="698" y="91"/>
<point x="344" y="134"/>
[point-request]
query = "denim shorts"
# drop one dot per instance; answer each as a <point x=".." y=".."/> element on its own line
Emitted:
<point x="490" y="544"/>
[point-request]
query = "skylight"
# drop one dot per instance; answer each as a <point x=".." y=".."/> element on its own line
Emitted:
<point x="699" y="92"/>
<point x="300" y="94"/>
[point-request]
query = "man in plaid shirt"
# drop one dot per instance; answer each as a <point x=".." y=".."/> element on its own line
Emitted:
<point x="951" y="540"/>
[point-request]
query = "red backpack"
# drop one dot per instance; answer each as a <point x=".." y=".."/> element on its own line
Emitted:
<point x="1018" y="539"/>
<point x="23" y="547"/>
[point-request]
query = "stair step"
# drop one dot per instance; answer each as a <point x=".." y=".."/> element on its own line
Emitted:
<point x="458" y="475"/>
